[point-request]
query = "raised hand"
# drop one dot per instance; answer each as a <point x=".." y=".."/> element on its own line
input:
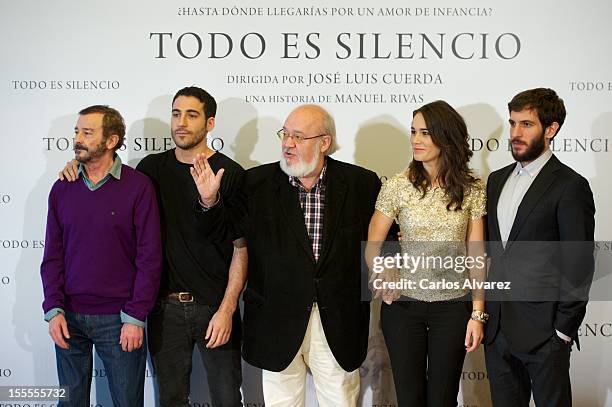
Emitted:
<point x="206" y="180"/>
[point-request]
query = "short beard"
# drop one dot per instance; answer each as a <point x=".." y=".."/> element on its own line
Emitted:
<point x="301" y="169"/>
<point x="532" y="152"/>
<point x="197" y="139"/>
<point x="97" y="152"/>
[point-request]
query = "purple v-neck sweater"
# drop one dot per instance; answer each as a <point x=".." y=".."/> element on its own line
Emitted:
<point x="102" y="248"/>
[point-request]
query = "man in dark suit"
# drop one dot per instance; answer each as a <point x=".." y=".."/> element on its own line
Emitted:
<point x="307" y="217"/>
<point x="535" y="207"/>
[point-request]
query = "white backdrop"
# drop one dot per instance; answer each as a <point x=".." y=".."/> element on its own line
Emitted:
<point x="369" y="63"/>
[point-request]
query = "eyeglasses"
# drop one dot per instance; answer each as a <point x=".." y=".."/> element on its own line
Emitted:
<point x="284" y="134"/>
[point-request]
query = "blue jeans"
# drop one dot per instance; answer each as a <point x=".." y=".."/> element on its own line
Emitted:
<point x="125" y="370"/>
<point x="174" y="329"/>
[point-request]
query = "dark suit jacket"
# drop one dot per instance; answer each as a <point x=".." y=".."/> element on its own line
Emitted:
<point x="283" y="276"/>
<point x="559" y="208"/>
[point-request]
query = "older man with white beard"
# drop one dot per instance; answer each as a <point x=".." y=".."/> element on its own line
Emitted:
<point x="307" y="216"/>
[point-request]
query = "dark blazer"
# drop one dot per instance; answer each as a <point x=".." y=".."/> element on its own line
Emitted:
<point x="284" y="278"/>
<point x="558" y="207"/>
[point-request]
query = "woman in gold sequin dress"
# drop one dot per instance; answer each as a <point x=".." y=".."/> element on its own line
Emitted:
<point x="430" y="325"/>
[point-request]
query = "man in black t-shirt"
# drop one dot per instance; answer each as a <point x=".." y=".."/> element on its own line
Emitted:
<point x="204" y="272"/>
<point x="202" y="276"/>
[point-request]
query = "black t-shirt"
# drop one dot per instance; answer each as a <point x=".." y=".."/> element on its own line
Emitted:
<point x="194" y="260"/>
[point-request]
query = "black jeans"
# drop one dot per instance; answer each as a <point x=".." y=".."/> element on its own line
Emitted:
<point x="174" y="328"/>
<point x="426" y="347"/>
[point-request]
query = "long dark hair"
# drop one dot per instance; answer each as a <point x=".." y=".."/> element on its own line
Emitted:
<point x="448" y="131"/>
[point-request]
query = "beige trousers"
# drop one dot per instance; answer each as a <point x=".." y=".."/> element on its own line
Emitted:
<point x="334" y="386"/>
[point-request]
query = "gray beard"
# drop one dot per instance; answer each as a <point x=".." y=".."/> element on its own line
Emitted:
<point x="96" y="152"/>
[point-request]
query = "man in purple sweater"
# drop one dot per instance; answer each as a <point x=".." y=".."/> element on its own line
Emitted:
<point x="102" y="264"/>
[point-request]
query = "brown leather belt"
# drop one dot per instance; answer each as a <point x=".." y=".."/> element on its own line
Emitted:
<point x="181" y="297"/>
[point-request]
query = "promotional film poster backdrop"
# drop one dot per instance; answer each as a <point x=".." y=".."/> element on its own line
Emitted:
<point x="370" y="63"/>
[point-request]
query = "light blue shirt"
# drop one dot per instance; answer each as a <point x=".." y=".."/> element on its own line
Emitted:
<point x="514" y="191"/>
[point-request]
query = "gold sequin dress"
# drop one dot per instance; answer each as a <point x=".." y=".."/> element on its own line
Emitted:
<point x="433" y="233"/>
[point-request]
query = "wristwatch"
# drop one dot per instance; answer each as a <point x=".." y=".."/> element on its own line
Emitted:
<point x="479" y="316"/>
